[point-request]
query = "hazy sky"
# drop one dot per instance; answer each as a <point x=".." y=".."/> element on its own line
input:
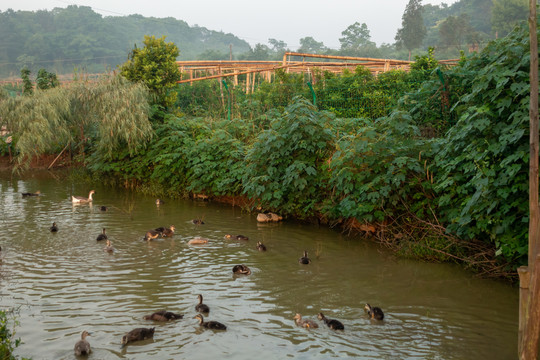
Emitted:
<point x="257" y="21"/>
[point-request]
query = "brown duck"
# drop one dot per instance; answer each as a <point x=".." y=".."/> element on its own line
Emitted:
<point x="306" y="323"/>
<point x="82" y="347"/>
<point x="163" y="316"/>
<point x="200" y="307"/>
<point x="137" y="335"/>
<point x="241" y="269"/>
<point x="215" y="325"/>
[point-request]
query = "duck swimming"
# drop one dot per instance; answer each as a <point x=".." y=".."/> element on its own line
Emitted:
<point x="82" y="347"/>
<point x="332" y="324"/>
<point x="304" y="259"/>
<point x="151" y="235"/>
<point x="215" y="325"/>
<point x="159" y="202"/>
<point x="237" y="237"/>
<point x="108" y="248"/>
<point x="102" y="236"/>
<point x="197" y="221"/>
<point x="163" y="316"/>
<point x="25" y="194"/>
<point x="200" y="307"/>
<point x="198" y="241"/>
<point x="103" y="208"/>
<point x="167" y="231"/>
<point x="241" y="269"/>
<point x="81" y="199"/>
<point x="53" y="228"/>
<point x="306" y="323"/>
<point x="374" y="312"/>
<point x="260" y="246"/>
<point x="137" y="335"/>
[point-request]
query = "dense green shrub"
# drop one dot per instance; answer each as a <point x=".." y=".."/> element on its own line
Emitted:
<point x="375" y="169"/>
<point x="482" y="162"/>
<point x="285" y="166"/>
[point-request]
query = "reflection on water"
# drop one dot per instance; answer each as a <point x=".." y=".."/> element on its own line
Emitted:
<point x="63" y="283"/>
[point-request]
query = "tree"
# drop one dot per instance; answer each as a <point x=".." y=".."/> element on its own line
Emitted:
<point x="456" y="31"/>
<point x="46" y="80"/>
<point x="356" y="37"/>
<point x="155" y="66"/>
<point x="412" y="30"/>
<point x="505" y="14"/>
<point x="278" y="46"/>
<point x="259" y="52"/>
<point x="28" y="88"/>
<point x="310" y="45"/>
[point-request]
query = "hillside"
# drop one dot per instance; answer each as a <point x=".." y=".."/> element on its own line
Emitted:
<point x="77" y="37"/>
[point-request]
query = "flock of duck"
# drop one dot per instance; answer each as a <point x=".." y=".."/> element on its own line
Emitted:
<point x="82" y="347"/>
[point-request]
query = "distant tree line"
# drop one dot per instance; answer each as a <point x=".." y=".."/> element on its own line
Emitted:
<point x="77" y="38"/>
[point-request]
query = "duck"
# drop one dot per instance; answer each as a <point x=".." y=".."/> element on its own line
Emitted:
<point x="25" y="194"/>
<point x="151" y="235"/>
<point x="137" y="335"/>
<point x="198" y="241"/>
<point x="81" y="199"/>
<point x="261" y="246"/>
<point x="237" y="237"/>
<point x="215" y="325"/>
<point x="197" y="221"/>
<point x="102" y="236"/>
<point x="163" y="315"/>
<point x="159" y="202"/>
<point x="304" y="259"/>
<point x="53" y="228"/>
<point x="165" y="232"/>
<point x="108" y="248"/>
<point x="332" y="324"/>
<point x="374" y="312"/>
<point x="304" y="322"/>
<point x="241" y="269"/>
<point x="82" y="347"/>
<point x="200" y="307"/>
<point x="103" y="208"/>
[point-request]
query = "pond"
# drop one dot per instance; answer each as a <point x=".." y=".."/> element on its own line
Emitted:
<point x="62" y="283"/>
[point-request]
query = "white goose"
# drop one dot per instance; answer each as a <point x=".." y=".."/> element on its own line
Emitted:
<point x="81" y="199"/>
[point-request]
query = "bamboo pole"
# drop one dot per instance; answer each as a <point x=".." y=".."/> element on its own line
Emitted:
<point x="61" y="152"/>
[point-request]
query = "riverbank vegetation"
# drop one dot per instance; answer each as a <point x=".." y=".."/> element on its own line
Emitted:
<point x="438" y="171"/>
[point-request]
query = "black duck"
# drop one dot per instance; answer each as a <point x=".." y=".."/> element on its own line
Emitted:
<point x="241" y="269"/>
<point x="304" y="259"/>
<point x="374" y="312"/>
<point x="102" y="236"/>
<point x="332" y="324"/>
<point x="261" y="246"/>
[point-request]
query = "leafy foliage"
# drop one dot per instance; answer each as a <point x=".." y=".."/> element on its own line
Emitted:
<point x="8" y="343"/>
<point x="285" y="164"/>
<point x="155" y="66"/>
<point x="375" y="169"/>
<point x="107" y="115"/>
<point x="482" y="162"/>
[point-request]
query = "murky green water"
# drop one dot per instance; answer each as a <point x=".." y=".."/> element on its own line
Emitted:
<point x="63" y="283"/>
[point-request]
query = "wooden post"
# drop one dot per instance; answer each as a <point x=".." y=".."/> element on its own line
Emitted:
<point x="532" y="325"/>
<point x="524" y="282"/>
<point x="530" y="304"/>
